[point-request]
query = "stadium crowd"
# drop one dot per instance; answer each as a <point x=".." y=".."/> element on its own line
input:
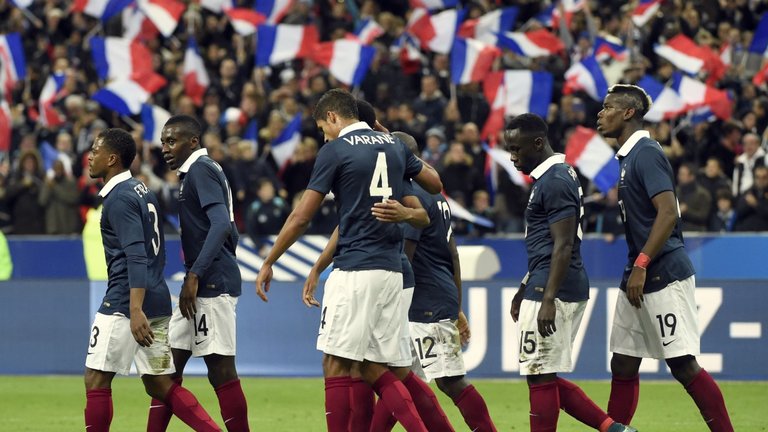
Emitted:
<point x="44" y="183"/>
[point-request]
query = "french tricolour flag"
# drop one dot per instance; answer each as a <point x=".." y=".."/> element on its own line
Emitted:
<point x="696" y="94"/>
<point x="458" y="211"/>
<point x="124" y="96"/>
<point x="164" y="14"/>
<point x="605" y="49"/>
<point x="136" y="25"/>
<point x="22" y="4"/>
<point x="435" y="32"/>
<point x="536" y="43"/>
<point x="14" y="67"/>
<point x="595" y="159"/>
<point x="433" y="4"/>
<point x="116" y="58"/>
<point x="245" y="20"/>
<point x="759" y="43"/>
<point x="667" y="103"/>
<point x="644" y="11"/>
<point x="520" y="91"/>
<point x="347" y="60"/>
<point x="761" y="76"/>
<point x="217" y="6"/>
<point x="502" y="158"/>
<point x="5" y="126"/>
<point x="682" y="52"/>
<point x="153" y="118"/>
<point x="274" y="10"/>
<point x="196" y="79"/>
<point x="471" y="60"/>
<point x="284" y="145"/>
<point x="284" y="42"/>
<point x="368" y="30"/>
<point x="587" y="76"/>
<point x="489" y="25"/>
<point x="50" y="93"/>
<point x="101" y="9"/>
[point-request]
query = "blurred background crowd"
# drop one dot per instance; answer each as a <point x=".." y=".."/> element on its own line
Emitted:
<point x="44" y="183"/>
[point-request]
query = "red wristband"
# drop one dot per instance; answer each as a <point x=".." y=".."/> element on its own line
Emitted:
<point x="642" y="261"/>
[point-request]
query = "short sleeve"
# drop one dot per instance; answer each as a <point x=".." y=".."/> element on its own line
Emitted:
<point x="561" y="200"/>
<point x="207" y="184"/>
<point x="411" y="233"/>
<point x="407" y="188"/>
<point x="655" y="173"/>
<point x="324" y="170"/>
<point x="413" y="165"/>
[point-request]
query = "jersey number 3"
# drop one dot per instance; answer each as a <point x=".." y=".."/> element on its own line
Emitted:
<point x="380" y="181"/>
<point x="156" y="226"/>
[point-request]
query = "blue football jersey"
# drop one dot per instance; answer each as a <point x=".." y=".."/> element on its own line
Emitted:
<point x="435" y="297"/>
<point x="363" y="167"/>
<point x="645" y="173"/>
<point x="555" y="195"/>
<point x="203" y="184"/>
<point x="134" y="247"/>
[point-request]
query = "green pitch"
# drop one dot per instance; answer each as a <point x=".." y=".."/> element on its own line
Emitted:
<point x="55" y="404"/>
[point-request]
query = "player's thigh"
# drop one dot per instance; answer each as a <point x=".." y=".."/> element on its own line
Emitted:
<point x="405" y="344"/>
<point x="343" y="329"/>
<point x="156" y="359"/>
<point x="540" y="355"/>
<point x="212" y="329"/>
<point x="111" y="347"/>
<point x="672" y="319"/>
<point x="438" y="350"/>
<point x="385" y="317"/>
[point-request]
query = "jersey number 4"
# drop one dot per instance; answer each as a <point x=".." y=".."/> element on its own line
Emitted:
<point x="380" y="181"/>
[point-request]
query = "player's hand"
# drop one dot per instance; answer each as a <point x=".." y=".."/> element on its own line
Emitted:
<point x="546" y="318"/>
<point x="140" y="328"/>
<point x="463" y="325"/>
<point x="188" y="295"/>
<point x="635" y="286"/>
<point x="379" y="127"/>
<point x="390" y="211"/>
<point x="514" y="310"/>
<point x="310" y="285"/>
<point x="263" y="280"/>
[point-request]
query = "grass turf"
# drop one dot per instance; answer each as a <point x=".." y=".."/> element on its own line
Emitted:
<point x="55" y="404"/>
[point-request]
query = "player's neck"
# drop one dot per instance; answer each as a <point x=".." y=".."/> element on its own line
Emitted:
<point x="628" y="131"/>
<point x="113" y="173"/>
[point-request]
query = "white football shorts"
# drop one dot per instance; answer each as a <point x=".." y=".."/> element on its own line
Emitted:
<point x="213" y="331"/>
<point x="361" y="317"/>
<point x="406" y="346"/>
<point x="112" y="347"/>
<point x="552" y="354"/>
<point x="665" y="326"/>
<point x="438" y="350"/>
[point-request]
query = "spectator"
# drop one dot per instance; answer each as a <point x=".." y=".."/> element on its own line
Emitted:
<point x="724" y="217"/>
<point x="431" y="101"/>
<point x="458" y="174"/>
<point x="470" y="137"/>
<point x="23" y="193"/>
<point x="266" y="214"/>
<point x="481" y="206"/>
<point x="752" y="157"/>
<point x="694" y="200"/>
<point x="60" y="198"/>
<point x="752" y="207"/>
<point x="711" y="177"/>
<point x="296" y="174"/>
<point x="434" y="151"/>
<point x="326" y="219"/>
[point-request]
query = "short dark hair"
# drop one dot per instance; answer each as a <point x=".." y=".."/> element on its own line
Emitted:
<point x="529" y="124"/>
<point x="408" y="140"/>
<point x="120" y="142"/>
<point x="632" y="97"/>
<point x="189" y="125"/>
<point x="339" y="101"/>
<point x="366" y="113"/>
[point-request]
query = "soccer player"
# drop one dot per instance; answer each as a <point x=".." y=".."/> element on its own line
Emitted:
<point x="131" y="324"/>
<point x="657" y="317"/>
<point x="203" y="324"/>
<point x="438" y="326"/>
<point x="359" y="317"/>
<point x="550" y="303"/>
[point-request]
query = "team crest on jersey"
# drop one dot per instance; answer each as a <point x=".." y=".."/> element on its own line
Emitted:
<point x="530" y="198"/>
<point x="572" y="172"/>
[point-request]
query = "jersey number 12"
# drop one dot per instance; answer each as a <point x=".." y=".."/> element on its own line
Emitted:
<point x="380" y="181"/>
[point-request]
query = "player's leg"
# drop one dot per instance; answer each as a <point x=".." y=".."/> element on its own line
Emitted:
<point x="383" y="420"/>
<point x="336" y="371"/>
<point x="703" y="390"/>
<point x="469" y="402"/>
<point x="393" y="394"/>
<point x="362" y="401"/>
<point x="628" y="345"/>
<point x="544" y="399"/>
<point x="98" y="400"/>
<point x="222" y="374"/>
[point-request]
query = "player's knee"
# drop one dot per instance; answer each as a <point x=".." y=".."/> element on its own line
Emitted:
<point x="625" y="366"/>
<point x="452" y="386"/>
<point x="684" y="368"/>
<point x="95" y="379"/>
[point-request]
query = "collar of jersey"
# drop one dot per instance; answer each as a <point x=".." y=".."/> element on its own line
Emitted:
<point x="547" y="164"/>
<point x="192" y="159"/>
<point x="353" y="127"/>
<point x="114" y="181"/>
<point x="631" y="141"/>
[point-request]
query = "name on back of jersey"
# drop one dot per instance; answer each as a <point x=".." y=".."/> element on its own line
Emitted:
<point x="141" y="189"/>
<point x="369" y="139"/>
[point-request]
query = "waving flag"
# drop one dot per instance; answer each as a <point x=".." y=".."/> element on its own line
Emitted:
<point x="435" y="32"/>
<point x="503" y="159"/>
<point x="537" y="43"/>
<point x="644" y="11"/>
<point x="101" y="9"/>
<point x="274" y="10"/>
<point x="696" y="94"/>
<point x="520" y="91"/>
<point x="153" y="118"/>
<point x="347" y="60"/>
<point x="51" y="92"/>
<point x="433" y="4"/>
<point x="12" y="63"/>
<point x="284" y="145"/>
<point x="489" y="25"/>
<point x="667" y="103"/>
<point x="217" y="6"/>
<point x="119" y="58"/>
<point x="244" y="20"/>
<point x="605" y="49"/>
<point x="471" y="60"/>
<point x="458" y="211"/>
<point x="124" y="96"/>
<point x="682" y="52"/>
<point x="251" y="132"/>
<point x="283" y="42"/>
<point x="759" y="43"/>
<point x="196" y="79"/>
<point x="5" y="126"/>
<point x="595" y="159"/>
<point x="761" y="76"/>
<point x="407" y="50"/>
<point x="587" y="76"/>
<point x="164" y="14"/>
<point x="22" y="4"/>
<point x="136" y="25"/>
<point x="368" y="30"/>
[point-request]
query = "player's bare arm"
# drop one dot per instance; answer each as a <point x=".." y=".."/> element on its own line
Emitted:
<point x="517" y="300"/>
<point x="563" y="232"/>
<point x="409" y="211"/>
<point x="188" y="295"/>
<point x="139" y="323"/>
<point x="428" y="178"/>
<point x="294" y="227"/>
<point x="462" y="324"/>
<point x="666" y="218"/>
<point x="323" y="261"/>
